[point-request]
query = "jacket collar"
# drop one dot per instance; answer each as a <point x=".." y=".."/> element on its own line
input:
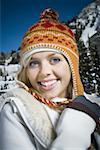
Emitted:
<point x="35" y="117"/>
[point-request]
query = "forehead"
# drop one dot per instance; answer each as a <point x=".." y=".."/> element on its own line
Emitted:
<point x="45" y="54"/>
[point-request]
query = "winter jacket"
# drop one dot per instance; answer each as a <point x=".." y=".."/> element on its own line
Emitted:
<point x="26" y="124"/>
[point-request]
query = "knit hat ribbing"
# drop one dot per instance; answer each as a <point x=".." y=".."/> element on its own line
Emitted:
<point x="51" y="35"/>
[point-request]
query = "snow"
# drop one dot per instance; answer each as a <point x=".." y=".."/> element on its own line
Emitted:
<point x="8" y="61"/>
<point x="83" y="22"/>
<point x="11" y="68"/>
<point x="7" y="80"/>
<point x="88" y="14"/>
<point x="88" y="32"/>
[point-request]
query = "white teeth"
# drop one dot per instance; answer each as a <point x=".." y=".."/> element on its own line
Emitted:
<point x="48" y="83"/>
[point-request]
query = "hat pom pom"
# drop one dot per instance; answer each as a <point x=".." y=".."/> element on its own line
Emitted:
<point x="49" y="14"/>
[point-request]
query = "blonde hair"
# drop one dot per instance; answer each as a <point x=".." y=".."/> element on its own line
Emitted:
<point x="22" y="76"/>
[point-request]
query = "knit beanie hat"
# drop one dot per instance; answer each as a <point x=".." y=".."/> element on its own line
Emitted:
<point x="51" y="35"/>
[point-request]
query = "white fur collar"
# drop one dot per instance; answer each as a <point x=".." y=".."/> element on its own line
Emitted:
<point x="34" y="115"/>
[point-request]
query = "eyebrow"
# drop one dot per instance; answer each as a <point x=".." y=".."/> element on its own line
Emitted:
<point x="50" y="55"/>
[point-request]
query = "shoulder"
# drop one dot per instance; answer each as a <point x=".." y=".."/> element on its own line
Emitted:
<point x="4" y="98"/>
<point x="7" y="99"/>
<point x="6" y="102"/>
<point x="11" y="106"/>
<point x="8" y="110"/>
<point x="13" y="93"/>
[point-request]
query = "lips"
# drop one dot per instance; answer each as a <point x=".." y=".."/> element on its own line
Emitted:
<point x="48" y="84"/>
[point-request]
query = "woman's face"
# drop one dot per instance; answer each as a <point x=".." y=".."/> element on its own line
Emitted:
<point x="49" y="74"/>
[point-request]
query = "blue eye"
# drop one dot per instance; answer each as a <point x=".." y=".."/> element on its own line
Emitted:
<point x="34" y="64"/>
<point x="55" y="60"/>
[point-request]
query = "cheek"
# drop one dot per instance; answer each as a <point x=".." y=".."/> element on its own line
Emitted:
<point x="31" y="74"/>
<point x="66" y="73"/>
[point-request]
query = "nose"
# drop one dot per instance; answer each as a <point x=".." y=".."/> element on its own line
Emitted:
<point x="45" y="69"/>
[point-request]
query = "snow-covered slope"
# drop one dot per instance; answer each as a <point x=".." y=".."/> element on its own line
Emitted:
<point x="88" y="21"/>
<point x="8" y="75"/>
<point x="92" y="13"/>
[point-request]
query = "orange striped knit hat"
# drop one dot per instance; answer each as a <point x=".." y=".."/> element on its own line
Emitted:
<point x="51" y="35"/>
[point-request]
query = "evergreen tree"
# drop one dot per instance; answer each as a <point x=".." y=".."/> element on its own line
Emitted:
<point x="95" y="70"/>
<point x="89" y="68"/>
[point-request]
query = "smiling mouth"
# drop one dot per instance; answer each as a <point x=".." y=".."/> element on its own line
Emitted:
<point x="48" y="85"/>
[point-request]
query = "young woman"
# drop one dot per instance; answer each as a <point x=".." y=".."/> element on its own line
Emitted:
<point x="48" y="110"/>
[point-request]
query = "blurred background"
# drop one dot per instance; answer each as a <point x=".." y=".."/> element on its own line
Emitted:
<point x="82" y="16"/>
